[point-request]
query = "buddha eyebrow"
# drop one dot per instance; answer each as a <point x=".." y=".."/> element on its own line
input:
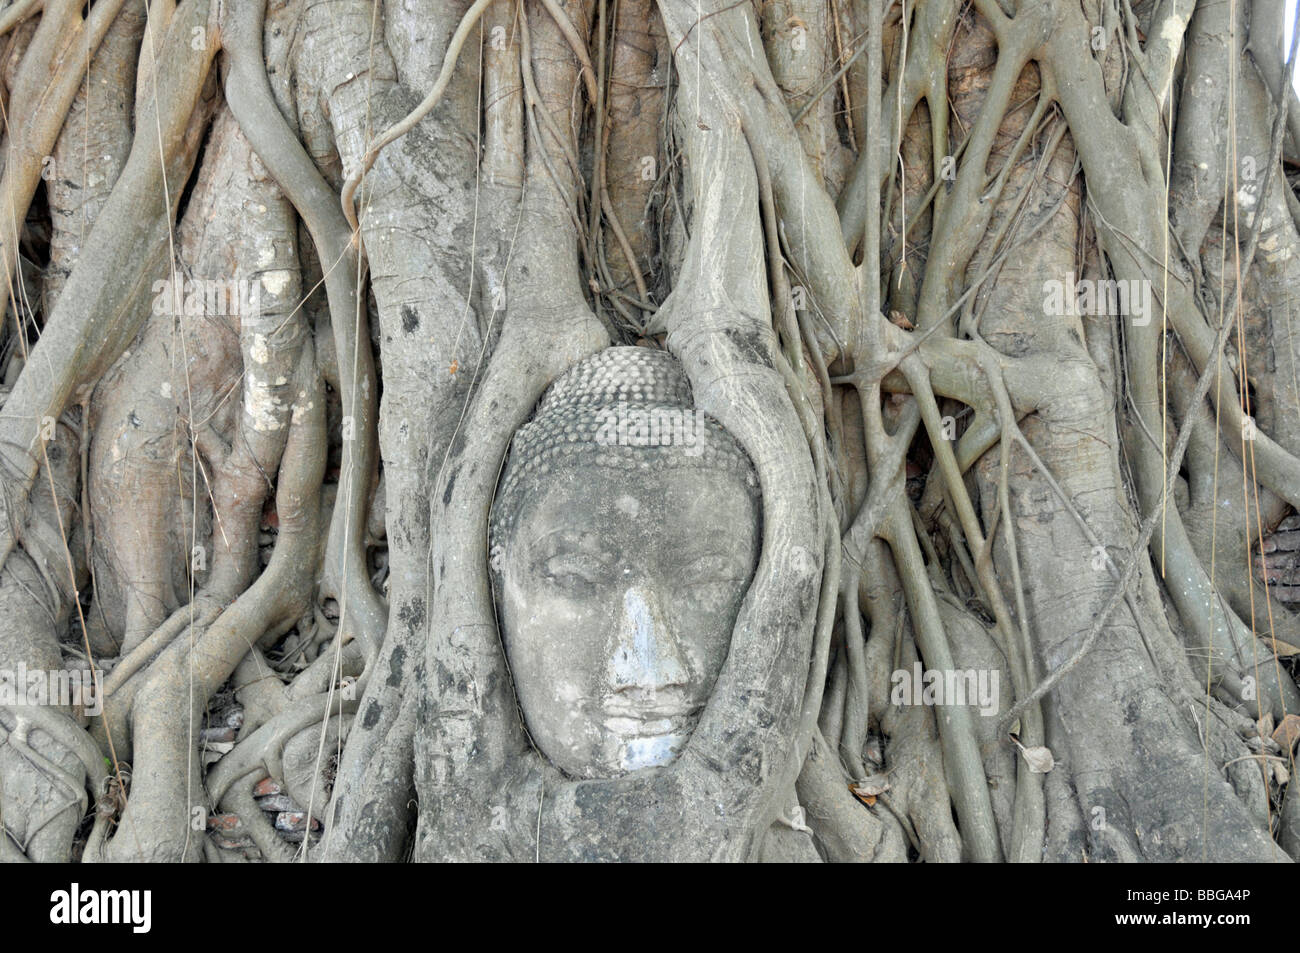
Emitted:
<point x="561" y="539"/>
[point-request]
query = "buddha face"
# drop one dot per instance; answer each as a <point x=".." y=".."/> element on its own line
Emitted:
<point x="618" y="596"/>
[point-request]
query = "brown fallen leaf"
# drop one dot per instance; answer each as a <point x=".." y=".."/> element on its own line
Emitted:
<point x="1288" y="732"/>
<point x="899" y="319"/>
<point x="868" y="799"/>
<point x="1284" y="649"/>
<point x="870" y="786"/>
<point x="455" y="366"/>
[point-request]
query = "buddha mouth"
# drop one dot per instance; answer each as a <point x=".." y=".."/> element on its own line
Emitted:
<point x="655" y="720"/>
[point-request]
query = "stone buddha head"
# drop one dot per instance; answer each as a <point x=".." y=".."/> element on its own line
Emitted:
<point x="625" y="532"/>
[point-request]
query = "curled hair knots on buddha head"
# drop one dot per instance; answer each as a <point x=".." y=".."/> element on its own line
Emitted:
<point x="623" y="409"/>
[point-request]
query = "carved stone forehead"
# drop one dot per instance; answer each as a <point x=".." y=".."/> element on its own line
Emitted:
<point x="624" y="409"/>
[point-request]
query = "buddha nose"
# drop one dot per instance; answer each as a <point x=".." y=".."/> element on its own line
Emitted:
<point x="647" y="656"/>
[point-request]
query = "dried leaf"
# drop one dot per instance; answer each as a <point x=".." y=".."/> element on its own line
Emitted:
<point x="214" y="751"/>
<point x="1287" y="733"/>
<point x="870" y="786"/>
<point x="868" y="799"/>
<point x="1039" y="759"/>
<point x="1284" y="649"/>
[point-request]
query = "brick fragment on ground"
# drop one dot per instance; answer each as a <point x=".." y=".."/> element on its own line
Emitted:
<point x="267" y="787"/>
<point x="294" y="821"/>
<point x="278" y="803"/>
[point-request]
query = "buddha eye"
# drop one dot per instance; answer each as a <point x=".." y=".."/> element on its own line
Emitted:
<point x="575" y="569"/>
